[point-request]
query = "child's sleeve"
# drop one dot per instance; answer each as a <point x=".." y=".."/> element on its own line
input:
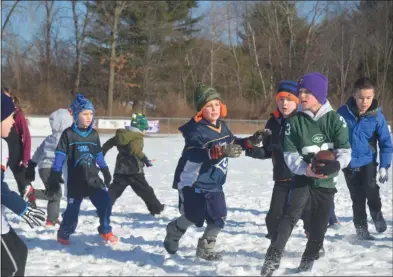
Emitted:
<point x="341" y="142"/>
<point x="61" y="152"/>
<point x="100" y="156"/>
<point x="136" y="147"/>
<point x="39" y="152"/>
<point x="384" y="142"/>
<point x="292" y="157"/>
<point x="21" y="124"/>
<point x="12" y="200"/>
<point x="108" y="145"/>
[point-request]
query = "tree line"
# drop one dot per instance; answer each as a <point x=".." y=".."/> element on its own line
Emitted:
<point x="148" y="56"/>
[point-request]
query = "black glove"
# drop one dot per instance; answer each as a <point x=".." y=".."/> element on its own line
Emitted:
<point x="227" y="150"/>
<point x="259" y="136"/>
<point x="30" y="171"/>
<point x="326" y="167"/>
<point x="147" y="162"/>
<point x="53" y="182"/>
<point x="107" y="176"/>
<point x="31" y="215"/>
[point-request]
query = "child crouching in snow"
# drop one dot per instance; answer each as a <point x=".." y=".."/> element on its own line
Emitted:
<point x="44" y="157"/>
<point x="80" y="146"/>
<point x="201" y="172"/>
<point x="130" y="162"/>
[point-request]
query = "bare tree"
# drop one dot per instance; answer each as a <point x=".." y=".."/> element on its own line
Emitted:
<point x="80" y="36"/>
<point x="8" y="16"/>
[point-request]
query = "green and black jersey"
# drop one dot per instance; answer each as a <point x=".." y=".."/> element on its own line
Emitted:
<point x="306" y="134"/>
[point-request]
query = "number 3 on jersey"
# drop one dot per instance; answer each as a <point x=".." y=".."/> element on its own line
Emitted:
<point x="287" y="129"/>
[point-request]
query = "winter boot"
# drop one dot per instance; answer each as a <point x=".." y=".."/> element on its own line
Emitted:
<point x="379" y="221"/>
<point x="205" y="250"/>
<point x="306" y="264"/>
<point x="51" y="223"/>
<point x="159" y="211"/>
<point x="173" y="235"/>
<point x="272" y="262"/>
<point x="363" y="234"/>
<point x="29" y="196"/>
<point x="321" y="253"/>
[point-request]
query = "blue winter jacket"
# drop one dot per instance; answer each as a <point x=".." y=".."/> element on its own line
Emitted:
<point x="195" y="167"/>
<point x="364" y="133"/>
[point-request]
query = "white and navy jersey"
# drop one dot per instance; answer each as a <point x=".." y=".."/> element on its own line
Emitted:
<point x="195" y="167"/>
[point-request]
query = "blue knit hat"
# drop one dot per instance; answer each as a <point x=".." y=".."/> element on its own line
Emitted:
<point x="316" y="83"/>
<point x="288" y="86"/>
<point x="287" y="89"/>
<point x="79" y="104"/>
<point x="7" y="106"/>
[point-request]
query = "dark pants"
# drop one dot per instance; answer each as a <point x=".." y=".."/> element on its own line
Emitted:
<point x="19" y="175"/>
<point x="278" y="205"/>
<point x="332" y="217"/>
<point x="314" y="205"/>
<point x="363" y="186"/>
<point x="140" y="186"/>
<point x="13" y="254"/>
<point x="100" y="199"/>
<point x="204" y="205"/>
<point x="53" y="207"/>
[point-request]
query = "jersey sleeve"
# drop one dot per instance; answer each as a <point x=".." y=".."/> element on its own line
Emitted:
<point x="61" y="152"/>
<point x="341" y="141"/>
<point x="292" y="157"/>
<point x="100" y="156"/>
<point x="384" y="142"/>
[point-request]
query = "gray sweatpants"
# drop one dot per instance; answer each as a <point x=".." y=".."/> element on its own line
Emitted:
<point x="53" y="208"/>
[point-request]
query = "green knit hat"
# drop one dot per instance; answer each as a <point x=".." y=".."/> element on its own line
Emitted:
<point x="140" y="122"/>
<point x="204" y="94"/>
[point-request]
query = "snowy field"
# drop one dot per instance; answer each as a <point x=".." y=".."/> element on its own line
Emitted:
<point x="242" y="242"/>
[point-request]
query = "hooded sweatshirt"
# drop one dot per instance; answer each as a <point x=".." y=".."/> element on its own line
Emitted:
<point x="45" y="154"/>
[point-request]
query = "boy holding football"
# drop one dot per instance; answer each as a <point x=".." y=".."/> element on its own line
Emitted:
<point x="314" y="128"/>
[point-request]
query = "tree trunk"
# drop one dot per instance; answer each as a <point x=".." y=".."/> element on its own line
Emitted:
<point x="113" y="58"/>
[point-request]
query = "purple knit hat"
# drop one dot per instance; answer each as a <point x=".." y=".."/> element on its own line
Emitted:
<point x="316" y="83"/>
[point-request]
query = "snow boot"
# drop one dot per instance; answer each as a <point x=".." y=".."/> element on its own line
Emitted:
<point x="159" y="211"/>
<point x="173" y="235"/>
<point x="306" y="264"/>
<point x="363" y="234"/>
<point x="205" y="250"/>
<point x="379" y="221"/>
<point x="272" y="262"/>
<point x="109" y="237"/>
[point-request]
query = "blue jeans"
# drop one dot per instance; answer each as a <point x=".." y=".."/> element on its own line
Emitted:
<point x="100" y="199"/>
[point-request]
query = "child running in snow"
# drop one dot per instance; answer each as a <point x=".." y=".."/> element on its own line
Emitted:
<point x="13" y="250"/>
<point x="201" y="172"/>
<point x="19" y="144"/>
<point x="316" y="127"/>
<point x="80" y="147"/>
<point x="44" y="157"/>
<point x="366" y="126"/>
<point x="130" y="162"/>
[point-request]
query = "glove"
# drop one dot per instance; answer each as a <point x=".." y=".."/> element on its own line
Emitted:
<point x="227" y="150"/>
<point x="258" y="137"/>
<point x="147" y="162"/>
<point x="54" y="181"/>
<point x="383" y="175"/>
<point x="31" y="215"/>
<point x="326" y="167"/>
<point x="107" y="176"/>
<point x="30" y="171"/>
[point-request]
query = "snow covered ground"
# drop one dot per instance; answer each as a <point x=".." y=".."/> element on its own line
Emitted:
<point x="248" y="191"/>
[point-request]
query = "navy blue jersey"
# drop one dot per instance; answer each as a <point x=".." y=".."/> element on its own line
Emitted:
<point x="195" y="167"/>
<point x="82" y="153"/>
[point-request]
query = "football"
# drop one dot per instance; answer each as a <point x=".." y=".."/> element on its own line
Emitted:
<point x="323" y="155"/>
